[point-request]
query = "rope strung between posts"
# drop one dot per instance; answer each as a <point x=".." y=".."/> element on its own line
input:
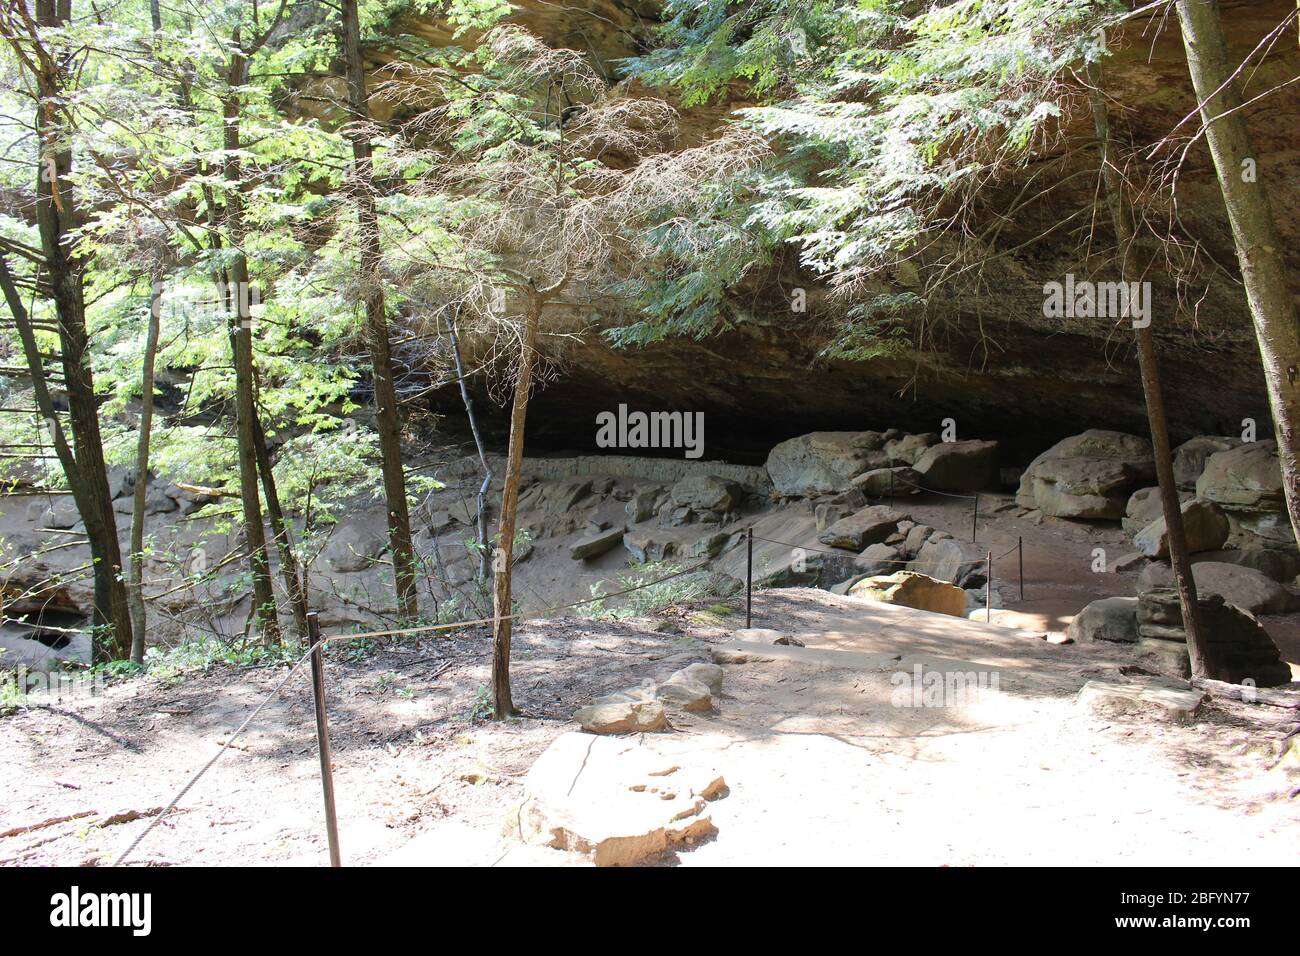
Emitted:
<point x="842" y="553"/>
<point x="215" y="757"/>
<point x="513" y="617"/>
<point x="275" y="692"/>
<point x="933" y="491"/>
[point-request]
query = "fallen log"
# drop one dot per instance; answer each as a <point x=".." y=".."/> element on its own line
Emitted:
<point x="52" y="821"/>
<point x="1272" y="696"/>
<point x="210" y="492"/>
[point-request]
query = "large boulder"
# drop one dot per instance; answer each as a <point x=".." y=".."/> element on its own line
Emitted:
<point x="62" y="514"/>
<point x="1143" y="507"/>
<point x="354" y="547"/>
<point x="909" y="448"/>
<point x="1281" y="566"/>
<point x="1190" y="457"/>
<point x="562" y="496"/>
<point x="689" y="695"/>
<point x="947" y="559"/>
<point x="788" y="554"/>
<point x="909" y="589"/>
<point x="693" y="687"/>
<point x="1088" y="475"/>
<point x="880" y="559"/>
<point x="824" y="462"/>
<point x="960" y="466"/>
<point x="1245" y="478"/>
<point x="1108" y="446"/>
<point x="644" y="503"/>
<point x="1247" y="483"/>
<point x="1245" y="587"/>
<point x="1204" y="525"/>
<point x="617" y="802"/>
<point x="1112" y="619"/>
<point x="161" y="499"/>
<point x="917" y="536"/>
<point x="875" y="559"/>
<point x="709" y="546"/>
<point x="710" y="675"/>
<point x="648" y="546"/>
<point x="888" y="482"/>
<point x="868" y="526"/>
<point x="1237" y="646"/>
<point x="707" y="493"/>
<point x="621" y="716"/>
<point x="593" y="546"/>
<point x="1085" y="488"/>
<point x="121" y="481"/>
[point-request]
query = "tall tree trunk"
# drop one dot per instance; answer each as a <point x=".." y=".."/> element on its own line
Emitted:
<point x="245" y="398"/>
<point x="503" y="705"/>
<point x="1259" y="249"/>
<point x="387" y="419"/>
<point x="1121" y="216"/>
<point x="135" y="591"/>
<point x="294" y="585"/>
<point x="57" y="218"/>
<point x="73" y="470"/>
<point x="480" y="518"/>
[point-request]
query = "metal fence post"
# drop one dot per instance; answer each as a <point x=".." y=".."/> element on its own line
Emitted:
<point x="1020" y="547"/>
<point x="988" y="592"/>
<point x="323" y="735"/>
<point x="749" y="577"/>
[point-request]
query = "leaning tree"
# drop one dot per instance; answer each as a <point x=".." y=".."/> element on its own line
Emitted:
<point x="50" y="56"/>
<point x="538" y="173"/>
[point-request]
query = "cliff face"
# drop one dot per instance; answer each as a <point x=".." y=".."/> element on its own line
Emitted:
<point x="998" y="366"/>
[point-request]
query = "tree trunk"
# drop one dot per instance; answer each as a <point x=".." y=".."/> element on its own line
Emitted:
<point x="1125" y="235"/>
<point x="245" y="399"/>
<point x="503" y="705"/>
<point x="387" y="420"/>
<point x="1259" y="249"/>
<point x="135" y="592"/>
<point x="294" y="585"/>
<point x="73" y="470"/>
<point x="480" y="518"/>
<point x="57" y="218"/>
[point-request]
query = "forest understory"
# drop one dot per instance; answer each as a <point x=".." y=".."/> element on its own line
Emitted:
<point x="682" y="432"/>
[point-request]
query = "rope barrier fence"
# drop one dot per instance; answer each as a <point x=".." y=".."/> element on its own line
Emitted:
<point x="974" y="498"/>
<point x="317" y="643"/>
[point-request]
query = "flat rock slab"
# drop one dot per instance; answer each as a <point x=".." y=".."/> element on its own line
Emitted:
<point x="1110" y="699"/>
<point x="595" y="545"/>
<point x="618" y="802"/>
